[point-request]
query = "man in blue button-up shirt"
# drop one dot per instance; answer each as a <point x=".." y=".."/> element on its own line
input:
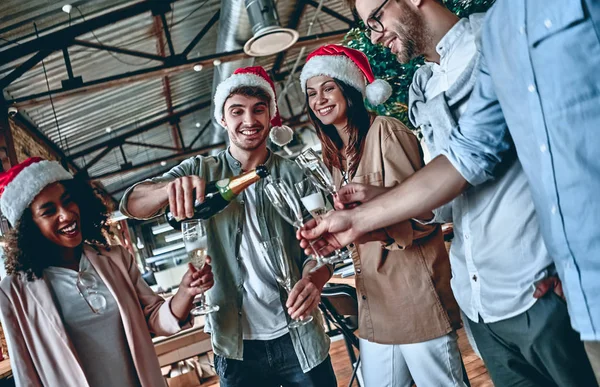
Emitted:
<point x="538" y="92"/>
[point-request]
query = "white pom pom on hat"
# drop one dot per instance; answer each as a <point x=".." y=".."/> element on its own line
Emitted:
<point x="258" y="77"/>
<point x="349" y="66"/>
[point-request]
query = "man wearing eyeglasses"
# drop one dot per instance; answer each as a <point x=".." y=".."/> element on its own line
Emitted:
<point x="535" y="93"/>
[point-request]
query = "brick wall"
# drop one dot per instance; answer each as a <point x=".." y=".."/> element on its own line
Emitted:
<point x="27" y="146"/>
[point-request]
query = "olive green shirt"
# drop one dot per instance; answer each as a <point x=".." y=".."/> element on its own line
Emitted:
<point x="224" y="238"/>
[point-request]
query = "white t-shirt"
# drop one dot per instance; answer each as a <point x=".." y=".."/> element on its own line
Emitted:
<point x="99" y="339"/>
<point x="263" y="316"/>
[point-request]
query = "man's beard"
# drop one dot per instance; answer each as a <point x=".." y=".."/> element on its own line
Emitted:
<point x="412" y="34"/>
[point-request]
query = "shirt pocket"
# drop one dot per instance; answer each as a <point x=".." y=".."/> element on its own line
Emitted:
<point x="549" y="19"/>
<point x="373" y="178"/>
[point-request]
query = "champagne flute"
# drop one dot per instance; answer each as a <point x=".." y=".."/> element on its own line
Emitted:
<point x="314" y="202"/>
<point x="316" y="170"/>
<point x="286" y="203"/>
<point x="196" y="245"/>
<point x="311" y="197"/>
<point x="278" y="262"/>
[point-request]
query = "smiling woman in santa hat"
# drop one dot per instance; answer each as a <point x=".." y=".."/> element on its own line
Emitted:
<point x="407" y="313"/>
<point x="76" y="312"/>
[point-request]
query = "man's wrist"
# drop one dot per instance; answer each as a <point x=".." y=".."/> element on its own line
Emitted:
<point x="359" y="228"/>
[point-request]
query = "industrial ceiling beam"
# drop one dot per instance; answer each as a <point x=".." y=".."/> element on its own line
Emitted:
<point x="52" y="13"/>
<point x="293" y="24"/>
<point x="57" y="40"/>
<point x="23" y="68"/>
<point x="118" y="50"/>
<point x="200" y="133"/>
<point x="152" y="146"/>
<point x="178" y="156"/>
<point x="331" y="12"/>
<point x="167" y="69"/>
<point x="159" y="24"/>
<point x="120" y="140"/>
<point x="95" y="160"/>
<point x="201" y="34"/>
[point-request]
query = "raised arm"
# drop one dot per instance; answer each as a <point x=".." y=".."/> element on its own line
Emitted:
<point x="180" y="188"/>
<point x="145" y="200"/>
<point x="475" y="149"/>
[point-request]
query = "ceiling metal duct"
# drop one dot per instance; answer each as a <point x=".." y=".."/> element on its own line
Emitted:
<point x="235" y="29"/>
<point x="269" y="37"/>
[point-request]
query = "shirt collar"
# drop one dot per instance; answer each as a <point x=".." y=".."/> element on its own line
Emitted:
<point x="236" y="166"/>
<point x="447" y="43"/>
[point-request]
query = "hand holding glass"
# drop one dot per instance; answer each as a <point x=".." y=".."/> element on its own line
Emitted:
<point x="285" y="201"/>
<point x="279" y="264"/>
<point x="316" y="170"/>
<point x="196" y="245"/>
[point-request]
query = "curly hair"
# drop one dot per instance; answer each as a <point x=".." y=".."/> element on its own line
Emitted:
<point x="28" y="251"/>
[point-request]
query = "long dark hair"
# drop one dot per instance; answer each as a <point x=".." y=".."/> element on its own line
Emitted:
<point x="359" y="121"/>
<point x="29" y="252"/>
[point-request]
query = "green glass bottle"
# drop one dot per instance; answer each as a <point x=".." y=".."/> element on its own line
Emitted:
<point x="218" y="194"/>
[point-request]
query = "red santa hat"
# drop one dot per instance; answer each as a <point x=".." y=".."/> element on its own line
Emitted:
<point x="257" y="77"/>
<point x="349" y="66"/>
<point x="23" y="182"/>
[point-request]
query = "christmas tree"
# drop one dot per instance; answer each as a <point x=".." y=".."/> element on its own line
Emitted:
<point x="385" y="65"/>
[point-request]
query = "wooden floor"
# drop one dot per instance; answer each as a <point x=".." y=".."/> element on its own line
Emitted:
<point x="341" y="364"/>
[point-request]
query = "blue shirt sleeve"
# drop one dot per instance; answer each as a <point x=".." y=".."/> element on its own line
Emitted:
<point x="477" y="143"/>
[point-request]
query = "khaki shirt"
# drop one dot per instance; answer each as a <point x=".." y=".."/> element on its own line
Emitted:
<point x="404" y="293"/>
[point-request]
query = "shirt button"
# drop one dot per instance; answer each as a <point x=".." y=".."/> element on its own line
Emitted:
<point x="522" y="30"/>
<point x="239" y="230"/>
<point x="548" y="23"/>
<point x="358" y="271"/>
<point x="531" y="88"/>
<point x="242" y="202"/>
<point x="553" y="210"/>
<point x="466" y="236"/>
<point x="364" y="297"/>
<point x="475" y="278"/>
<point x="543" y="148"/>
<point x="239" y="313"/>
<point x="351" y="245"/>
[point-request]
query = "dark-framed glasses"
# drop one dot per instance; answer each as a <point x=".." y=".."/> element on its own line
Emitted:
<point x="373" y="22"/>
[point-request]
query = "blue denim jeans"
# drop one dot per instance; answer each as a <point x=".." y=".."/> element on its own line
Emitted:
<point x="272" y="363"/>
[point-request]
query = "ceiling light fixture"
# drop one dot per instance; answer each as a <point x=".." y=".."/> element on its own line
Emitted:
<point x="269" y="37"/>
<point x="108" y="130"/>
<point x="198" y="67"/>
<point x="67" y="8"/>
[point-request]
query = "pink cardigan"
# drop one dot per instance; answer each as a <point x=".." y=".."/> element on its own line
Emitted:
<point x="41" y="353"/>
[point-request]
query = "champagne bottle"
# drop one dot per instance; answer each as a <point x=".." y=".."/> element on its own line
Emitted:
<point x="218" y="194"/>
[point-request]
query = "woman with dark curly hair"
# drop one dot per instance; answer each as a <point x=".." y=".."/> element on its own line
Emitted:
<point x="75" y="311"/>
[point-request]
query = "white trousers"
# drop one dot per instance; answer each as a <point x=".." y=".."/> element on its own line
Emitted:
<point x="433" y="363"/>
